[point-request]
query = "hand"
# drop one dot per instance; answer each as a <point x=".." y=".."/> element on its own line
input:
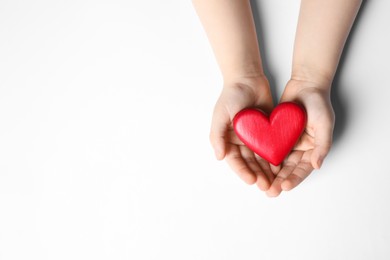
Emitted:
<point x="316" y="140"/>
<point x="243" y="93"/>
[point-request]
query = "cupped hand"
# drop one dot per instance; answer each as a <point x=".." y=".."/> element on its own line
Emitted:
<point x="242" y="93"/>
<point x="316" y="141"/>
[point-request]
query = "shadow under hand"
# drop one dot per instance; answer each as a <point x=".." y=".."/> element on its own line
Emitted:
<point x="260" y="34"/>
<point x="340" y="102"/>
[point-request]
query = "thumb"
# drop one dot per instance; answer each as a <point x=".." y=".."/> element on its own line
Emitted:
<point x="218" y="132"/>
<point x="322" y="144"/>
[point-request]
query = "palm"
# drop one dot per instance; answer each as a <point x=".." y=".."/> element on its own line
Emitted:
<point x="248" y="165"/>
<point x="315" y="142"/>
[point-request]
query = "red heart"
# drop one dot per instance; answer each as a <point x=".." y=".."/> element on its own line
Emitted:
<point x="271" y="137"/>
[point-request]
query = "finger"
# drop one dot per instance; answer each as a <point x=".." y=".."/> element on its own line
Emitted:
<point x="266" y="167"/>
<point x="287" y="168"/>
<point x="275" y="168"/>
<point x="233" y="138"/>
<point x="239" y="165"/>
<point x="219" y="126"/>
<point x="260" y="172"/>
<point x="322" y="144"/>
<point x="300" y="172"/>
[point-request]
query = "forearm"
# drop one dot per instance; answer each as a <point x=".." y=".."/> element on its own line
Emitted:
<point x="231" y="31"/>
<point x="323" y="28"/>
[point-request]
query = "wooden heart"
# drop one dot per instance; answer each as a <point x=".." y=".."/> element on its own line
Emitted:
<point x="271" y="137"/>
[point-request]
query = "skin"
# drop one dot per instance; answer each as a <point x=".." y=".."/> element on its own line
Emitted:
<point x="323" y="27"/>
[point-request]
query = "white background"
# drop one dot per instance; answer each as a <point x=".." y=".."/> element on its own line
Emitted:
<point x="104" y="117"/>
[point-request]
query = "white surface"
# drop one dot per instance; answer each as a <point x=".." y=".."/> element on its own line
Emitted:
<point x="105" y="109"/>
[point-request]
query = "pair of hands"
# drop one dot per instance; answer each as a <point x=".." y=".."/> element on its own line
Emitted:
<point x="307" y="155"/>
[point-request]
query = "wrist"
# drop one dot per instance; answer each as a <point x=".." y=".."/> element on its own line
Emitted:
<point x="253" y="79"/>
<point x="317" y="77"/>
<point x="256" y="83"/>
<point x="248" y="71"/>
<point x="248" y="92"/>
<point x="297" y="89"/>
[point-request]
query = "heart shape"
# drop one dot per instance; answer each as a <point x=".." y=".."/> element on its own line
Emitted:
<point x="271" y="137"/>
